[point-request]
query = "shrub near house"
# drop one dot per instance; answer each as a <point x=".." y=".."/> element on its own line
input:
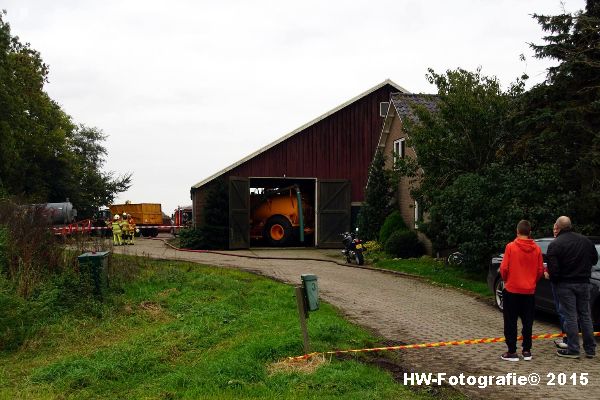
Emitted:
<point x="398" y="240"/>
<point x="404" y="244"/>
<point x="393" y="223"/>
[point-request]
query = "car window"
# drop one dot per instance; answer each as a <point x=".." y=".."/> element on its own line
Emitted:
<point x="544" y="245"/>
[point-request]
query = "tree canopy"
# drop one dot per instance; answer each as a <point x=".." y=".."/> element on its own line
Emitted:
<point x="489" y="157"/>
<point x="559" y="120"/>
<point x="464" y="176"/>
<point x="44" y="156"/>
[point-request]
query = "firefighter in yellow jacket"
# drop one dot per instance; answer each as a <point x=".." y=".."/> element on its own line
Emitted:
<point x="131" y="228"/>
<point x="125" y="228"/>
<point x="116" y="229"/>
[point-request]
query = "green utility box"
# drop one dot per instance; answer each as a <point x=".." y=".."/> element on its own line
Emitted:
<point x="311" y="291"/>
<point x="93" y="267"/>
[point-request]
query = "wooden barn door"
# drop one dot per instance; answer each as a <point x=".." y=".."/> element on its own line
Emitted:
<point x="239" y="213"/>
<point x="333" y="216"/>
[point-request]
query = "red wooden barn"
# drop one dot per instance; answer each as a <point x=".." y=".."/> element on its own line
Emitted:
<point x="328" y="158"/>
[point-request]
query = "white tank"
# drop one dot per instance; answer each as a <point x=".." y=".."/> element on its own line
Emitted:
<point x="60" y="213"/>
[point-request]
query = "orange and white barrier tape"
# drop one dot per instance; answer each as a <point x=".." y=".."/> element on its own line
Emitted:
<point x="74" y="228"/>
<point x="428" y="345"/>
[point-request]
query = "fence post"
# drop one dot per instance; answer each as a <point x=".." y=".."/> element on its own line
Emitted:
<point x="302" y="315"/>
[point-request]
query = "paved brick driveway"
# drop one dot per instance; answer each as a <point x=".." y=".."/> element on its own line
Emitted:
<point x="407" y="310"/>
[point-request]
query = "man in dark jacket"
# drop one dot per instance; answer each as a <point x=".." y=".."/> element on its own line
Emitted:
<point x="570" y="260"/>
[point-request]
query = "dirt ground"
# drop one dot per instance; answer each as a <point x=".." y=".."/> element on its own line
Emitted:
<point x="408" y="310"/>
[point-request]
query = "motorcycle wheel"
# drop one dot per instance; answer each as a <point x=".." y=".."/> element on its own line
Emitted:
<point x="360" y="259"/>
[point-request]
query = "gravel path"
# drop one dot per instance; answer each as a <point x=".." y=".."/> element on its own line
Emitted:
<point x="408" y="310"/>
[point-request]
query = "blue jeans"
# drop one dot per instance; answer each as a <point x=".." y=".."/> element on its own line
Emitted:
<point x="561" y="319"/>
<point x="574" y="304"/>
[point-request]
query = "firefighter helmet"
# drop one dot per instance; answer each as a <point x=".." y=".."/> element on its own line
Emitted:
<point x="116" y="218"/>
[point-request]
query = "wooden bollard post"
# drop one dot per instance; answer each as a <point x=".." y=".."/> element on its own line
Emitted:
<point x="302" y="315"/>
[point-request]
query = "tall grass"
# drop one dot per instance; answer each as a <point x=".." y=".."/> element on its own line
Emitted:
<point x="28" y="248"/>
<point x="39" y="274"/>
<point x="184" y="331"/>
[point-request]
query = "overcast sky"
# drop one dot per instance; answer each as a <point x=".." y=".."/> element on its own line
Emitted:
<point x="185" y="88"/>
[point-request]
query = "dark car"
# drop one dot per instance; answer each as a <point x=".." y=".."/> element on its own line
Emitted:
<point x="543" y="292"/>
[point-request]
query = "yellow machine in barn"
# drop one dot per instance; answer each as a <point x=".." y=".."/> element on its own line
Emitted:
<point x="280" y="216"/>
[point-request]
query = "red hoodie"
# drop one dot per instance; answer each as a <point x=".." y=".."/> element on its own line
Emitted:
<point x="522" y="266"/>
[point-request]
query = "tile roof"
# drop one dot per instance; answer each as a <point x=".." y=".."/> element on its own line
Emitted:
<point x="404" y="103"/>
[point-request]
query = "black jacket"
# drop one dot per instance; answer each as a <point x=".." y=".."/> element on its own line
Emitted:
<point x="571" y="257"/>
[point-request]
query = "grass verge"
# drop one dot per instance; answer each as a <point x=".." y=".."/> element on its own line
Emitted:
<point x="181" y="330"/>
<point x="434" y="271"/>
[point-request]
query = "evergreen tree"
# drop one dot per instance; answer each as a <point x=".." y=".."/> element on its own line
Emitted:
<point x="559" y="122"/>
<point x="213" y="233"/>
<point x="378" y="199"/>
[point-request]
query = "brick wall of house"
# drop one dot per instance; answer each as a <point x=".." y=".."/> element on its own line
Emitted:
<point x="404" y="200"/>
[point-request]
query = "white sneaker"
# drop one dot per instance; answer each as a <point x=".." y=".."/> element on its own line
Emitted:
<point x="560" y="344"/>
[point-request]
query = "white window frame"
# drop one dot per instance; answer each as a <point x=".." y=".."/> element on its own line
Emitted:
<point x="416" y="207"/>
<point x="384" y="106"/>
<point x="399" y="149"/>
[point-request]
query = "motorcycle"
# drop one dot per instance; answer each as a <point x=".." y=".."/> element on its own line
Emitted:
<point x="353" y="248"/>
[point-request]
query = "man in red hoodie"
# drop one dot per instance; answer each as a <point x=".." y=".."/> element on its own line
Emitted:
<point x="522" y="267"/>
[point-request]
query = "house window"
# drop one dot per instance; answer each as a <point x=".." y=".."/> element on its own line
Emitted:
<point x="399" y="149"/>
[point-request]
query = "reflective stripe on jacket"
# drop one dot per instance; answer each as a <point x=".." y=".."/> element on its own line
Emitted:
<point x="116" y="227"/>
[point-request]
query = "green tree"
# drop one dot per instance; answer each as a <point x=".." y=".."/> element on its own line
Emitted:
<point x="479" y="211"/>
<point x="378" y="199"/>
<point x="33" y="128"/>
<point x="466" y="134"/>
<point x="465" y="180"/>
<point x="91" y="187"/>
<point x="559" y="120"/>
<point x="44" y="156"/>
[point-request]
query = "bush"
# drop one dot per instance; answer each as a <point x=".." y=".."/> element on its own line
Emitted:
<point x="207" y="237"/>
<point x="59" y="294"/>
<point x="478" y="212"/>
<point x="39" y="279"/>
<point x="29" y="251"/>
<point x="404" y="244"/>
<point x="392" y="223"/>
<point x="372" y="245"/>
<point x="213" y="234"/>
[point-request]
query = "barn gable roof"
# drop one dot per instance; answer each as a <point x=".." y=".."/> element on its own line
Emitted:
<point x="298" y="130"/>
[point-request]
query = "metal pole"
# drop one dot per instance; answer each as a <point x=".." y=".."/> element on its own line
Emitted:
<point x="300" y="213"/>
<point x="302" y="316"/>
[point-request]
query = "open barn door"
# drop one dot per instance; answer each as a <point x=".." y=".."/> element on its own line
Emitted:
<point x="333" y="211"/>
<point x="239" y="213"/>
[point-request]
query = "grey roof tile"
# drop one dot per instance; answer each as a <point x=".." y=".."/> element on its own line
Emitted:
<point x="404" y="103"/>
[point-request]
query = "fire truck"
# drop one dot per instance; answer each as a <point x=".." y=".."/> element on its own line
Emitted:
<point x="182" y="218"/>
